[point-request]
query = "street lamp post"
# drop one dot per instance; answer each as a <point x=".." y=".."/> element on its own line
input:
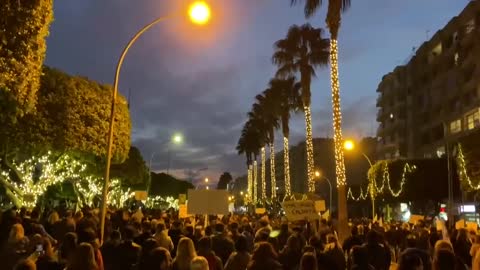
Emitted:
<point x="319" y="175"/>
<point x="177" y="139"/>
<point x="349" y="145"/>
<point x="199" y="13"/>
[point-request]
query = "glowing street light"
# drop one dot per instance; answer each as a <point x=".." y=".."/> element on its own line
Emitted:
<point x="241" y="192"/>
<point x="199" y="13"/>
<point x="177" y="138"/>
<point x="318" y="174"/>
<point x="208" y="188"/>
<point x="206" y="180"/>
<point x="349" y="145"/>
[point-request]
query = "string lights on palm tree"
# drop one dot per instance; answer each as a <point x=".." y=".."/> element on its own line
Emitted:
<point x="300" y="52"/>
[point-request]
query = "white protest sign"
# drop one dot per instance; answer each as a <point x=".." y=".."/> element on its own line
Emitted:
<point x="207" y="202"/>
<point x="300" y="210"/>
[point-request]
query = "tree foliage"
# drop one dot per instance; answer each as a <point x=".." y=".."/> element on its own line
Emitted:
<point x="224" y="180"/>
<point x="72" y="116"/>
<point x="166" y="185"/>
<point x="133" y="172"/>
<point x="24" y="25"/>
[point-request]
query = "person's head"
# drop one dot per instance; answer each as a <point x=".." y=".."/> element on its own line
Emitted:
<point x="47" y="248"/>
<point x="16" y="233"/>
<point x="129" y="233"/>
<point x="149" y="245"/>
<point x="410" y="261"/>
<point x="83" y="258"/>
<point x="189" y="229"/>
<point x="53" y="217"/>
<point x="219" y="228"/>
<point x="241" y="245"/>
<point x="443" y="245"/>
<point x="35" y="214"/>
<point x="205" y="244"/>
<point x="199" y="263"/>
<point x="116" y="236"/>
<point x="354" y="230"/>
<point x="69" y="244"/>
<point x="25" y="265"/>
<point x="308" y="261"/>
<point x="233" y="227"/>
<point x="159" y="259"/>
<point x="293" y="243"/>
<point x="146" y="226"/>
<point x="444" y="260"/>
<point x="284" y="227"/>
<point x="160" y="227"/>
<point x="316" y="242"/>
<point x="331" y="239"/>
<point x="263" y="251"/>
<point x="372" y="237"/>
<point x="359" y="256"/>
<point x="411" y="240"/>
<point x="186" y="249"/>
<point x="462" y="235"/>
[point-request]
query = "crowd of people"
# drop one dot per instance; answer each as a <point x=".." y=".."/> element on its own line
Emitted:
<point x="157" y="240"/>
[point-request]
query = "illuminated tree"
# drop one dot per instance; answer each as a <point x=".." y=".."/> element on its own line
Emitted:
<point x="301" y="51"/>
<point x="24" y="182"/>
<point x="335" y="8"/>
<point x="24" y="26"/>
<point x="285" y="96"/>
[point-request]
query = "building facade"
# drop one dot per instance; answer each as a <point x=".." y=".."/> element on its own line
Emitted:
<point x="435" y="97"/>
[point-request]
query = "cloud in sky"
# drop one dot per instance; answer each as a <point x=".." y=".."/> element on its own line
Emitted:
<point x="203" y="83"/>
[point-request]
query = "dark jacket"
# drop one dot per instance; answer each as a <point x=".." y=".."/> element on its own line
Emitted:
<point x="223" y="247"/>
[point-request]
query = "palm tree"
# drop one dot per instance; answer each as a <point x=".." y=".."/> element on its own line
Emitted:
<point x="335" y="9"/>
<point x="285" y="95"/>
<point x="301" y="51"/>
<point x="248" y="144"/>
<point x="263" y="111"/>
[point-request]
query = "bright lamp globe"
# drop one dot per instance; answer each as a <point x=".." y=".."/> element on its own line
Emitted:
<point x="199" y="13"/>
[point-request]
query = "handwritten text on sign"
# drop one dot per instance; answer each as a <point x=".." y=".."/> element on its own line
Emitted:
<point x="300" y="210"/>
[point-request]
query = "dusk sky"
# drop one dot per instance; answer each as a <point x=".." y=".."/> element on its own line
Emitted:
<point x="201" y="81"/>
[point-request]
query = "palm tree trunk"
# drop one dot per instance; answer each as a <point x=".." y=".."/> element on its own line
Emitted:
<point x="286" y="167"/>
<point x="273" y="179"/>
<point x="337" y="130"/>
<point x="255" y="181"/>
<point x="264" y="183"/>
<point x="250" y="183"/>
<point x="309" y="146"/>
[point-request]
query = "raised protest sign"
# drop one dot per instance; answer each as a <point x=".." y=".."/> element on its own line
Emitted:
<point x="207" y="202"/>
<point x="182" y="211"/>
<point x="300" y="210"/>
<point x="460" y="224"/>
<point x="260" y="211"/>
<point x="320" y="206"/>
<point x="472" y="226"/>
<point x="182" y="199"/>
<point x="414" y="219"/>
<point x="141" y="195"/>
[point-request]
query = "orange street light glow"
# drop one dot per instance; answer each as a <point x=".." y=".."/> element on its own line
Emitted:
<point x="199" y="12"/>
<point x="348" y="145"/>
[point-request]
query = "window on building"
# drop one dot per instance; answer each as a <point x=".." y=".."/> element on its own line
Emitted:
<point x="473" y="120"/>
<point x="470" y="26"/>
<point x="455" y="126"/>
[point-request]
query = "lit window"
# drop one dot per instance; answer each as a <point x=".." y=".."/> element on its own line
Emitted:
<point x="473" y="120"/>
<point x="455" y="126"/>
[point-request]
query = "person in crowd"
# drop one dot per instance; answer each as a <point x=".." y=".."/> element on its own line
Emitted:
<point x="444" y="260"/>
<point x="157" y="259"/>
<point x="240" y="258"/>
<point x="185" y="254"/>
<point x="410" y="261"/>
<point x="15" y="248"/>
<point x="63" y="226"/>
<point x="52" y="219"/>
<point x="247" y="231"/>
<point x="205" y="250"/>
<point x="234" y="234"/>
<point x="83" y="259"/>
<point x="88" y="235"/>
<point x="26" y="264"/>
<point x="145" y="233"/>
<point x="264" y="257"/>
<point x="291" y="254"/>
<point x="221" y="244"/>
<point x="47" y="259"/>
<point x="359" y="259"/>
<point x="335" y="252"/>
<point x="352" y="240"/>
<point x="190" y="233"/>
<point x="308" y="261"/>
<point x="412" y="250"/>
<point x="110" y="251"/>
<point x="378" y="256"/>
<point x="128" y="252"/>
<point x="462" y="246"/>
<point x="199" y="263"/>
<point x="67" y="247"/>
<point x="161" y="235"/>
<point x="175" y="233"/>
<point x="283" y="235"/>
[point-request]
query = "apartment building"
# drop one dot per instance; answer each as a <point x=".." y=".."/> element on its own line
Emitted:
<point x="435" y="96"/>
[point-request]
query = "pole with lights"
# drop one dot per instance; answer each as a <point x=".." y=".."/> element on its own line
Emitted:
<point x="319" y="176"/>
<point x="199" y="13"/>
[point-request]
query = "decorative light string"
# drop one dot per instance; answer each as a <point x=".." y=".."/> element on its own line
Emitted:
<point x="273" y="179"/>
<point x="309" y="146"/>
<point x="462" y="171"/>
<point x="159" y="202"/>
<point x="337" y="115"/>
<point x="264" y="182"/>
<point x="250" y="182"/>
<point x="286" y="167"/>
<point x="255" y="181"/>
<point x="361" y="196"/>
